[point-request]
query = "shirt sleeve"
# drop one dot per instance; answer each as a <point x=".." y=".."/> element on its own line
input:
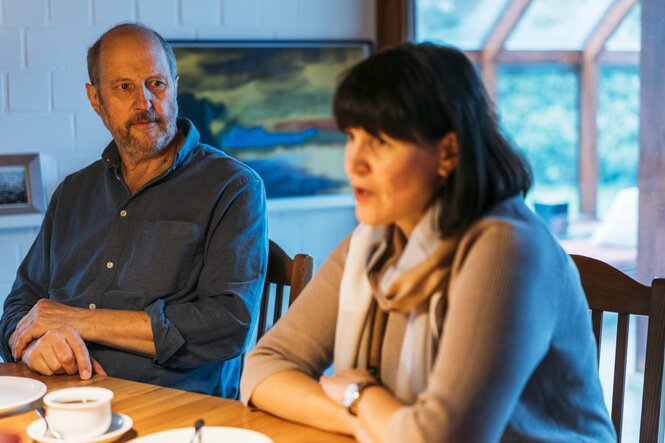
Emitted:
<point x="216" y="324"/>
<point x="32" y="281"/>
<point x="303" y="338"/>
<point x="501" y="315"/>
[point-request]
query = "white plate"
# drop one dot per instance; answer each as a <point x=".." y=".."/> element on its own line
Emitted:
<point x="209" y="434"/>
<point x="19" y="391"/>
<point x="120" y="423"/>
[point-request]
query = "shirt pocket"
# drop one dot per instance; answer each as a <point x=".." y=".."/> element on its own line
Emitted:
<point x="161" y="257"/>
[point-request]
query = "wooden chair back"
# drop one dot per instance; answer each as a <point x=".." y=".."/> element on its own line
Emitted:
<point x="283" y="271"/>
<point x="610" y="290"/>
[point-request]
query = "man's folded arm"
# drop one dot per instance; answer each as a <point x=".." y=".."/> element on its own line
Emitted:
<point x="216" y="326"/>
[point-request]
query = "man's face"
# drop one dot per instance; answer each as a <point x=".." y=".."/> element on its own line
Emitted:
<point x="136" y="95"/>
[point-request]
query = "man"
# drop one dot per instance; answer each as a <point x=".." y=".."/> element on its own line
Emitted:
<point x="150" y="262"/>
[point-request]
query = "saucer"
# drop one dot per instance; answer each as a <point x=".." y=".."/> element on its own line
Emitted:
<point x="120" y="423"/>
<point x="19" y="391"/>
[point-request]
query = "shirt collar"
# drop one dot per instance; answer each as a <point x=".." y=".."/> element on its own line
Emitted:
<point x="111" y="157"/>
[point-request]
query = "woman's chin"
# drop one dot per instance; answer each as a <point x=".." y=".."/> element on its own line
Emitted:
<point x="369" y="219"/>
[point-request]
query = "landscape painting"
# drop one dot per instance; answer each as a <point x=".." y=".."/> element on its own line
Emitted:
<point x="269" y="104"/>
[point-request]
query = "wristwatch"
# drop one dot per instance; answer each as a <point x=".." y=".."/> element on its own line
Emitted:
<point x="352" y="395"/>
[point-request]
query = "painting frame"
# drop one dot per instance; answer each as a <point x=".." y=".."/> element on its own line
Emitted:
<point x="269" y="104"/>
<point x="21" y="185"/>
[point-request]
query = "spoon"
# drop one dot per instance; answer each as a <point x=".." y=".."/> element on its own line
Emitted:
<point x="197" y="429"/>
<point x="40" y="411"/>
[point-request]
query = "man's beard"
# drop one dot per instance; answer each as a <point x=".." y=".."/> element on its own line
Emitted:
<point x="145" y="144"/>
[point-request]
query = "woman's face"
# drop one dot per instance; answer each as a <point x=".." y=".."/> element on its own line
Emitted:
<point x="393" y="181"/>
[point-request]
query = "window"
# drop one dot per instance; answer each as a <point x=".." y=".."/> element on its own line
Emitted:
<point x="566" y="79"/>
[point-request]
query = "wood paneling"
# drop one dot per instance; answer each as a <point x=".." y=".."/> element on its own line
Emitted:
<point x="651" y="241"/>
<point x="395" y="22"/>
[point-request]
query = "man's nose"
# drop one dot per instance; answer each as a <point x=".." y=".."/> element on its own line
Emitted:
<point x="143" y="99"/>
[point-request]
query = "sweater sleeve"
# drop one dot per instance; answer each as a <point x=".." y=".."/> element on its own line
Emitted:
<point x="303" y="339"/>
<point x="500" y="319"/>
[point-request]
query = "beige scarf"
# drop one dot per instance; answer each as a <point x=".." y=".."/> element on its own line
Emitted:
<point x="404" y="278"/>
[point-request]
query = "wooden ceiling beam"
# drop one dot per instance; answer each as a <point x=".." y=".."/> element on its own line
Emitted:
<point x="494" y="42"/>
<point x="605" y="28"/>
<point x="619" y="58"/>
<point x="589" y="165"/>
<point x="519" y="57"/>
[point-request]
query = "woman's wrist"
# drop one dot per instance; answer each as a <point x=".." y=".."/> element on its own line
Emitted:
<point x="353" y="394"/>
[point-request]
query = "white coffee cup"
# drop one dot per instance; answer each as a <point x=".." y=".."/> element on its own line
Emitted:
<point x="79" y="413"/>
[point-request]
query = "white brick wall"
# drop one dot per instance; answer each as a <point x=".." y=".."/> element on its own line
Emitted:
<point x="11" y="48"/>
<point x="70" y="12"/>
<point x="2" y="93"/>
<point x="110" y="12"/>
<point x="28" y="90"/>
<point x="43" y="107"/>
<point x="200" y="12"/>
<point x="25" y="12"/>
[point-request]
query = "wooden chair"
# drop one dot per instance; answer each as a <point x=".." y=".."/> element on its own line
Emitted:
<point x="282" y="272"/>
<point x="610" y="290"/>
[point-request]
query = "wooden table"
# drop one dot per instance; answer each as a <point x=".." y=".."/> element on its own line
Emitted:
<point x="154" y="408"/>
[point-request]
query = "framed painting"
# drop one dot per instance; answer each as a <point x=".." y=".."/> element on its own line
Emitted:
<point x="269" y="104"/>
<point x="21" y="189"/>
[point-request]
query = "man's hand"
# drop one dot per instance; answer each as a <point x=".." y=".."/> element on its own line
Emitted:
<point x="44" y="316"/>
<point x="59" y="351"/>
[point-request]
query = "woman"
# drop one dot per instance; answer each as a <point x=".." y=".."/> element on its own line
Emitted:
<point x="450" y="314"/>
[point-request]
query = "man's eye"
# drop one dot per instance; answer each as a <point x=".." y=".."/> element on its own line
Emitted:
<point x="124" y="86"/>
<point x="158" y="84"/>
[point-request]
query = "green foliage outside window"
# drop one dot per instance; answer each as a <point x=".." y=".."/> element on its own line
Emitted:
<point x="618" y="126"/>
<point x="538" y="108"/>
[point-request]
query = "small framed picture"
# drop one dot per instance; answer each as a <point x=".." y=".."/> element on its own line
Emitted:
<point x="21" y="189"/>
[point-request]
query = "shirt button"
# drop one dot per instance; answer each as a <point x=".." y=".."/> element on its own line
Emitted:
<point x="109" y="265"/>
<point x="123" y="213"/>
<point x="92" y="306"/>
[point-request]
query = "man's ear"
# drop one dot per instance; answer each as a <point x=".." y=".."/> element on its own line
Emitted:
<point x="448" y="148"/>
<point x="93" y="97"/>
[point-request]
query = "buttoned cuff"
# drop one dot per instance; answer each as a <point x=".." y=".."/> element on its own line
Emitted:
<point x="5" y="350"/>
<point x="166" y="336"/>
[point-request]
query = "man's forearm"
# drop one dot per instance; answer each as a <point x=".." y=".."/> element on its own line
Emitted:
<point x="126" y="330"/>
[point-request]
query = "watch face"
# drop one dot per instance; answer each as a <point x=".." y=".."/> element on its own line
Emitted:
<point x="350" y="394"/>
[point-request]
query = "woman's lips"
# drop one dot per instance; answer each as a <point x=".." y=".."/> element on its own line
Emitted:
<point x="361" y="194"/>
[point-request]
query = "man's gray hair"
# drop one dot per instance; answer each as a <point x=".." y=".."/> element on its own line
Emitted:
<point x="93" y="51"/>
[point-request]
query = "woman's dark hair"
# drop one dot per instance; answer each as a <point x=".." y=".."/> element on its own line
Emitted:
<point x="419" y="93"/>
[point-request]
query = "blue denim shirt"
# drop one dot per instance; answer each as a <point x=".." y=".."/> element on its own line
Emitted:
<point x="189" y="248"/>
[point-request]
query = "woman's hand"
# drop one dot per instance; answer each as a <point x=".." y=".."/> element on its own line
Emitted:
<point x="335" y="386"/>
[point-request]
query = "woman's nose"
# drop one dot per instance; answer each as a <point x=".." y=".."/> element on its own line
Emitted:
<point x="355" y="161"/>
